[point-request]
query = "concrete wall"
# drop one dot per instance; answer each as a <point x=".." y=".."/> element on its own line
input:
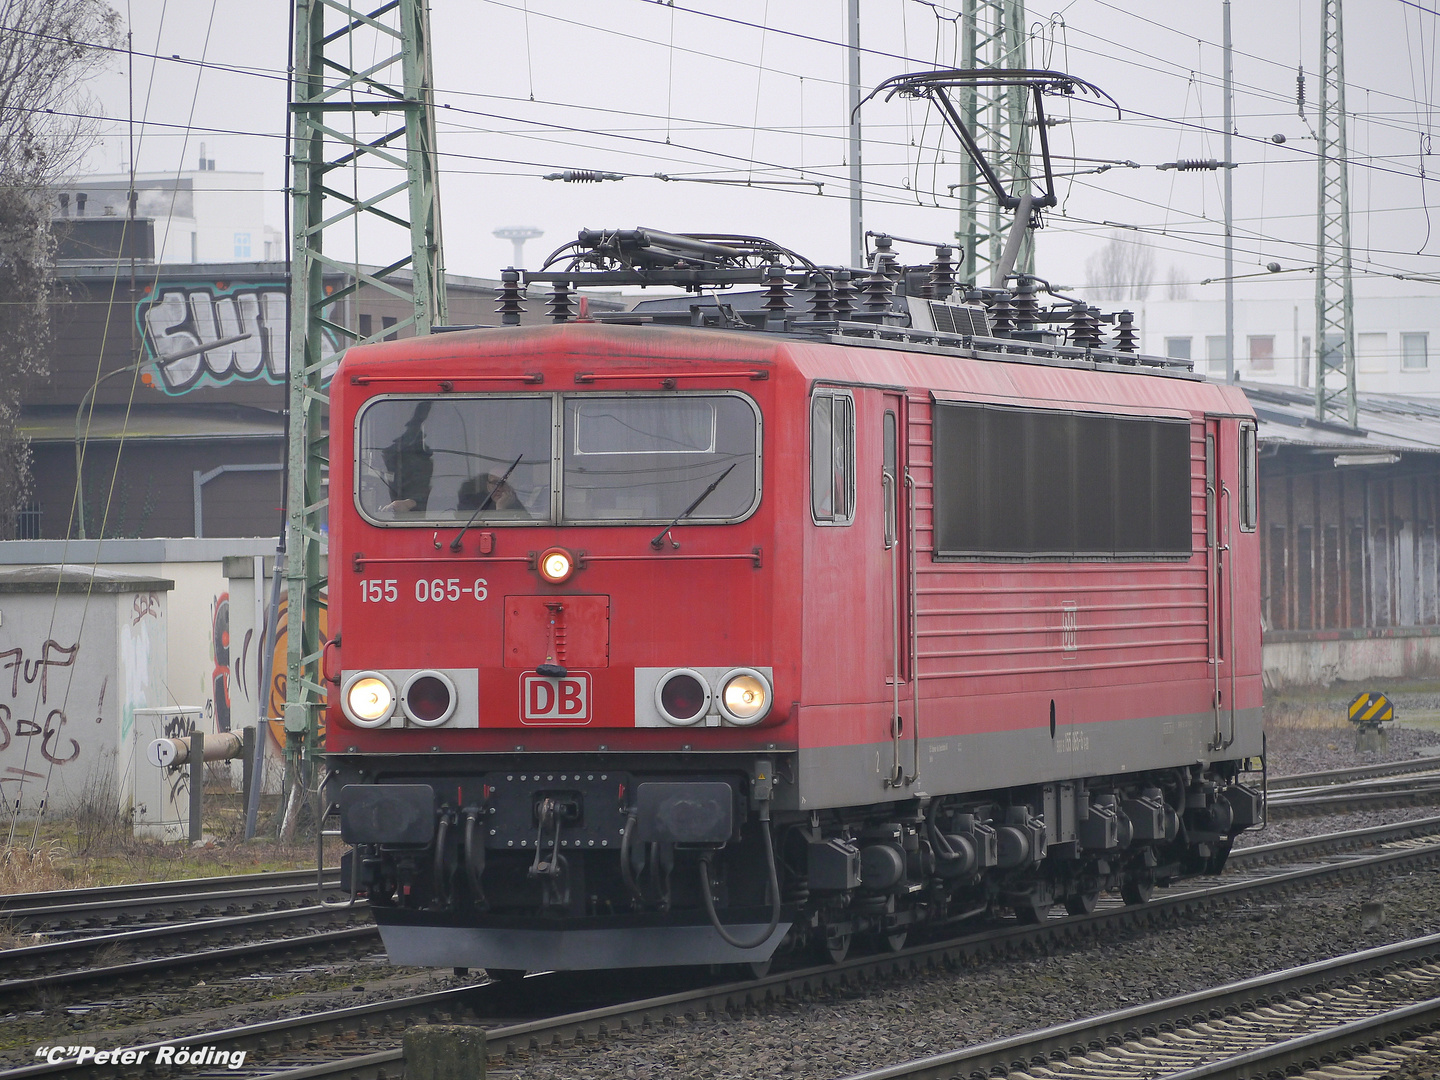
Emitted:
<point x="1321" y="658"/>
<point x="80" y="651"/>
<point x="198" y="656"/>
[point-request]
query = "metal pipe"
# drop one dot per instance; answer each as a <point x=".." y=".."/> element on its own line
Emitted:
<point x="1012" y="242"/>
<point x="857" y="205"/>
<point x="223" y="746"/>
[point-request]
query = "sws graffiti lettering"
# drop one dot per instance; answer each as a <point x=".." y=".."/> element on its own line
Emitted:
<point x="205" y="334"/>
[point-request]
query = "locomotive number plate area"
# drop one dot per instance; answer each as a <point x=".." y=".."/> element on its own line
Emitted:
<point x="590" y="807"/>
<point x="548" y="701"/>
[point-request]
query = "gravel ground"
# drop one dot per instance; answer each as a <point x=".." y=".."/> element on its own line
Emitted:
<point x="845" y="1033"/>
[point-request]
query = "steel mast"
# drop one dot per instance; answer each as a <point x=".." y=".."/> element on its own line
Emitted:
<point x="1334" y="297"/>
<point x="363" y="159"/>
<point x="992" y="36"/>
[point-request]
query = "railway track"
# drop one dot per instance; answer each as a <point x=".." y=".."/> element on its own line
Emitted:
<point x="359" y="1042"/>
<point x="38" y="972"/>
<point x="1413" y="788"/>
<point x="1381" y="1004"/>
<point x="56" y="972"/>
<point x="76" y="910"/>
<point x="1355" y="772"/>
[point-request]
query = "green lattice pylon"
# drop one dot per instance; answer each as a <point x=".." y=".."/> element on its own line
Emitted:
<point x="366" y="125"/>
<point x="1334" y="345"/>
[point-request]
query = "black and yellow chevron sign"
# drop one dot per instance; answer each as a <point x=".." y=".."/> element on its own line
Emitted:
<point x="1371" y="708"/>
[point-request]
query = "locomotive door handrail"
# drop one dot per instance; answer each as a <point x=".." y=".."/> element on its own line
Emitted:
<point x="914" y="628"/>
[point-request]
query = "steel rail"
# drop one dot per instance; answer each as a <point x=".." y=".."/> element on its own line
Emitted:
<point x="1356" y="772"/>
<point x="461" y="1003"/>
<point x="111" y="912"/>
<point x="262" y="880"/>
<point x="1332" y="843"/>
<point x="1130" y="1033"/>
<point x="1313" y="806"/>
<point x="117" y="973"/>
<point x="73" y="952"/>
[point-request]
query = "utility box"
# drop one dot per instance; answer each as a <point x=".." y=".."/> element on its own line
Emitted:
<point x="162" y="794"/>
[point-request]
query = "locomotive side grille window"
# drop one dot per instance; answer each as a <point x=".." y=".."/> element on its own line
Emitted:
<point x="832" y="457"/>
<point x="1026" y="482"/>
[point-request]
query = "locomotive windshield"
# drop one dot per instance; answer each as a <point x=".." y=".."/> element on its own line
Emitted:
<point x="631" y="458"/>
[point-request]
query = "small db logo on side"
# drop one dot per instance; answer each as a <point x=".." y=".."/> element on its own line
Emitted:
<point x="548" y="700"/>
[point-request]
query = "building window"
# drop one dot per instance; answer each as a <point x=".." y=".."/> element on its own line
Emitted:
<point x="1414" y="352"/>
<point x="1177" y="348"/>
<point x="242" y="245"/>
<point x="1030" y="483"/>
<point x="366" y="326"/>
<point x="832" y="457"/>
<point x="27" y="521"/>
<point x="1370" y="353"/>
<point x="1262" y="352"/>
<point x="1215" y="354"/>
<point x="387" y="321"/>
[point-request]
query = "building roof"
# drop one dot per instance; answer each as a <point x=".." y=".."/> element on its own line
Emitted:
<point x="1388" y="423"/>
<point x="172" y="420"/>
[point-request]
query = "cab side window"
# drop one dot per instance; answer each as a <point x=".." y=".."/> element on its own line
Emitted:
<point x="832" y="457"/>
<point x="1249" y="484"/>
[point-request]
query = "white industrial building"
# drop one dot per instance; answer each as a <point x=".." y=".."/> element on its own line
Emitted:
<point x="1397" y="333"/>
<point x="201" y="215"/>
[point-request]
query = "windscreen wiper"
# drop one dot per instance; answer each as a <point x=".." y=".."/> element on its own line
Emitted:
<point x="485" y="503"/>
<point x="659" y="541"/>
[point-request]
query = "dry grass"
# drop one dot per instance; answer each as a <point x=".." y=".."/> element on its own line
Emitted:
<point x="38" y="869"/>
<point x="1306" y="715"/>
<point x="95" y="845"/>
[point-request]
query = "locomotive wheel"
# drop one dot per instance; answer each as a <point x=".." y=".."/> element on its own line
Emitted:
<point x="1030" y="909"/>
<point x="1135" y="891"/>
<point x="1082" y="903"/>
<point x="757" y="969"/>
<point x="896" y="941"/>
<point x="837" y="947"/>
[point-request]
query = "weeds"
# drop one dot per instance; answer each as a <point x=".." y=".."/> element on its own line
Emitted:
<point x="37" y="869"/>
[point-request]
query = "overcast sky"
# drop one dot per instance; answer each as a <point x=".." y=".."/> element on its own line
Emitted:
<point x="753" y="91"/>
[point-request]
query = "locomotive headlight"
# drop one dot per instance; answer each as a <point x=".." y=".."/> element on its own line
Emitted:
<point x="369" y="700"/>
<point x="683" y="697"/>
<point x="428" y="698"/>
<point x="744" y="696"/>
<point x="556" y="565"/>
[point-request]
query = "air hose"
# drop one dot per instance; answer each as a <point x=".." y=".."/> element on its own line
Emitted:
<point x="774" y="887"/>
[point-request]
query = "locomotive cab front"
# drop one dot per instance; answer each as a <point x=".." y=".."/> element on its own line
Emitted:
<point x="560" y="694"/>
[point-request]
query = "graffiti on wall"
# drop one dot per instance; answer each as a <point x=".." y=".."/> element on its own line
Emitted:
<point x="220" y="653"/>
<point x="39" y="743"/>
<point x="248" y="670"/>
<point x="210" y="334"/>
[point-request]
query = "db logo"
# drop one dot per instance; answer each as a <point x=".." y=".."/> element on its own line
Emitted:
<point x="554" y="701"/>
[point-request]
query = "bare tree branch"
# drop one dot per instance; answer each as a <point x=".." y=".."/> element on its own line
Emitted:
<point x="48" y="51"/>
<point x="1122" y="270"/>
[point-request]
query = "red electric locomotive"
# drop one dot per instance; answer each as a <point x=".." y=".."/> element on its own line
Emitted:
<point x="761" y="621"/>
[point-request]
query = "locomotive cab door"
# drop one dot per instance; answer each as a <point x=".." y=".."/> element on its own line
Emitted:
<point x="897" y="538"/>
<point x="1219" y="506"/>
